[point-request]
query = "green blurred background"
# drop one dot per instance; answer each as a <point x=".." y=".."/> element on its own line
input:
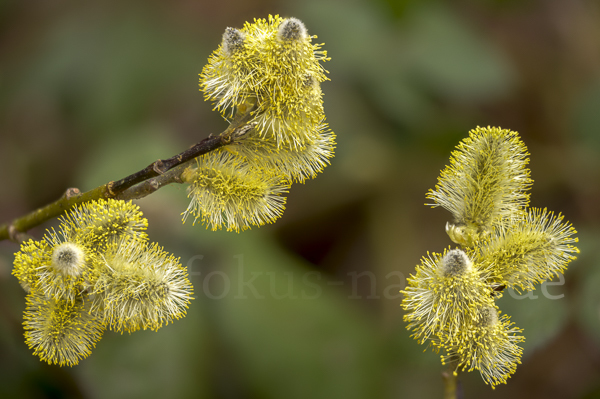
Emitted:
<point x="307" y="307"/>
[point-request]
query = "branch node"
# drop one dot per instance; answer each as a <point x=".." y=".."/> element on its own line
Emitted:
<point x="239" y="132"/>
<point x="12" y="233"/>
<point x="109" y="188"/>
<point x="72" y="192"/>
<point x="16" y="235"/>
<point x="159" y="167"/>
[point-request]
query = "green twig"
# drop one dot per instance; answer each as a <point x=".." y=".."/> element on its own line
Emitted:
<point x="451" y="383"/>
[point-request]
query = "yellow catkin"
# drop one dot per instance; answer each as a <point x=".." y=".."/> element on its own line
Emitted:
<point x="441" y="296"/>
<point x="41" y="265"/>
<point x="59" y="331"/>
<point x="530" y="250"/>
<point x="485" y="184"/>
<point x="106" y="221"/>
<point x="140" y="287"/>
<point x="227" y="192"/>
<point x="487" y="343"/>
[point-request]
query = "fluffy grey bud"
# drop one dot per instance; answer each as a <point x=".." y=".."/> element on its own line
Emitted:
<point x="68" y="259"/>
<point x="233" y="40"/>
<point x="292" y="29"/>
<point x="455" y="262"/>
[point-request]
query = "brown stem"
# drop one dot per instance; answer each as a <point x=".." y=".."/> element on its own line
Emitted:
<point x="160" y="166"/>
<point x="148" y="179"/>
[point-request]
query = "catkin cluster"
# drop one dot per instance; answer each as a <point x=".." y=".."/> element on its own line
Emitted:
<point x="450" y="301"/>
<point x="98" y="271"/>
<point x="273" y="67"/>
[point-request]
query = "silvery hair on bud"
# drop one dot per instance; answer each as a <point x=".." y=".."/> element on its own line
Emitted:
<point x="310" y="80"/>
<point x="455" y="262"/>
<point x="488" y="316"/>
<point x="233" y="40"/>
<point x="68" y="259"/>
<point x="292" y="29"/>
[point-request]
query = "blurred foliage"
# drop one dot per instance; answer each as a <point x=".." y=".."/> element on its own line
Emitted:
<point x="90" y="92"/>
